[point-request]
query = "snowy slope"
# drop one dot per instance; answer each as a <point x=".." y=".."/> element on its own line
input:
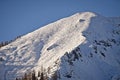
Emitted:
<point x="84" y="46"/>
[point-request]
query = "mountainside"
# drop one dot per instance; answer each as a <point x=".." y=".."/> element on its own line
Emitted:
<point x="84" y="46"/>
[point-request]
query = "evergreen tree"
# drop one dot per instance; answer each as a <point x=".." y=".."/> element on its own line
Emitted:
<point x="33" y="75"/>
<point x="38" y="73"/>
<point x="42" y="76"/>
<point x="16" y="78"/>
<point x="55" y="76"/>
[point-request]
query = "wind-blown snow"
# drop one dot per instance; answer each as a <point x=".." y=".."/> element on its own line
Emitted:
<point x="96" y="38"/>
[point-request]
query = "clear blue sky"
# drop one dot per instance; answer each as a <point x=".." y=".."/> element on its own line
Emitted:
<point x="18" y="17"/>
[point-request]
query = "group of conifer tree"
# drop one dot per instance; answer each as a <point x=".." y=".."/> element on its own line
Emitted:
<point x="7" y="42"/>
<point x="39" y="76"/>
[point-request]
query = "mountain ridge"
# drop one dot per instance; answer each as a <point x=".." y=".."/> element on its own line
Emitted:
<point x="54" y="45"/>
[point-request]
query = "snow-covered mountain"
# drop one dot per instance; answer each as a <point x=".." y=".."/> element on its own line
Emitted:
<point x="84" y="46"/>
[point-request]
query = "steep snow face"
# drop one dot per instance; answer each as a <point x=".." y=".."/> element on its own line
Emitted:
<point x="98" y="58"/>
<point x="84" y="46"/>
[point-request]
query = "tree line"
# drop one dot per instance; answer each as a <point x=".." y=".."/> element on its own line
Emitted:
<point x="40" y="75"/>
<point x="4" y="43"/>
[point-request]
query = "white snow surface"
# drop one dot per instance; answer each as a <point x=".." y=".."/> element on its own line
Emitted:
<point x="96" y="37"/>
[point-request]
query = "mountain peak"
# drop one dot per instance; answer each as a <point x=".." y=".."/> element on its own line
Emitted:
<point x="81" y="42"/>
